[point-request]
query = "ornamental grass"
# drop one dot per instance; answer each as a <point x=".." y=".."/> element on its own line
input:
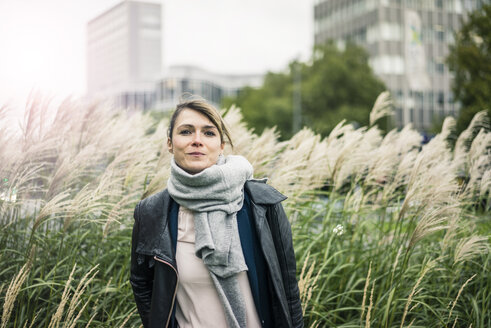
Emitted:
<point x="387" y="232"/>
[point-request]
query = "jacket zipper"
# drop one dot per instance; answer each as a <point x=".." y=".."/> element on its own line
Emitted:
<point x="175" y="289"/>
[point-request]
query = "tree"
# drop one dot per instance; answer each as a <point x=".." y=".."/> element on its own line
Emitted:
<point x="267" y="106"/>
<point x="470" y="60"/>
<point x="335" y="84"/>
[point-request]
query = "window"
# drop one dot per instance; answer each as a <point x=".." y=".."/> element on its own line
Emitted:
<point x="441" y="98"/>
<point x="429" y="98"/>
<point x="440" y="68"/>
<point x="457" y="6"/>
<point x="399" y="115"/>
<point x="384" y="31"/>
<point x="387" y="64"/>
<point x="440" y="36"/>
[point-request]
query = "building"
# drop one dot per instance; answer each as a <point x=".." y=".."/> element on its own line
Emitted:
<point x="194" y="80"/>
<point x="124" y="63"/>
<point x="407" y="41"/>
<point x="124" y="57"/>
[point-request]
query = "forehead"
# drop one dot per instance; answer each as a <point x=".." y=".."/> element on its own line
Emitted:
<point x="192" y="117"/>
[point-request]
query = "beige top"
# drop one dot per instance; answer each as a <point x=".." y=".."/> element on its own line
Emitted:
<point x="198" y="304"/>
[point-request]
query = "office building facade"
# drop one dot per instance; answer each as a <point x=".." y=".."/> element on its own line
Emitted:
<point x="124" y="57"/>
<point x="407" y="42"/>
<point x="182" y="79"/>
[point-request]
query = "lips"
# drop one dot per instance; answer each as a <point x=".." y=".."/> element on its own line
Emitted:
<point x="196" y="154"/>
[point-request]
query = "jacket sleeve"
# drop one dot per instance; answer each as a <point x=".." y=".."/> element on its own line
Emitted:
<point x="141" y="275"/>
<point x="282" y="236"/>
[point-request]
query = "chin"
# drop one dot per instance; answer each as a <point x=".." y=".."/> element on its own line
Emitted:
<point x="195" y="169"/>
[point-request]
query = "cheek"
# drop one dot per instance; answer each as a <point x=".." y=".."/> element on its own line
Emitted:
<point x="178" y="143"/>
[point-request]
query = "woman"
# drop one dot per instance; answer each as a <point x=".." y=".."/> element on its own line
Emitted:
<point x="214" y="249"/>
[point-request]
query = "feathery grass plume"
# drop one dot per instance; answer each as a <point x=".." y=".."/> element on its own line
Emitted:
<point x="432" y="185"/>
<point x="341" y="143"/>
<point x="90" y="202"/>
<point x="353" y="202"/>
<point x="32" y="322"/>
<point x="23" y="178"/>
<point x="71" y="169"/>
<point x="264" y="149"/>
<point x="158" y="182"/>
<point x="119" y="211"/>
<point x="458" y="295"/>
<point x="90" y="320"/>
<point x="307" y="283"/>
<point x="414" y="291"/>
<point x="380" y="165"/>
<point x="400" y="179"/>
<point x="396" y="262"/>
<point x="35" y="114"/>
<point x="127" y="318"/>
<point x="370" y="306"/>
<point x="339" y="130"/>
<point x="485" y="188"/>
<point x="382" y="107"/>
<point x="448" y="127"/>
<point x="455" y="321"/>
<point x="361" y="159"/>
<point x="451" y="234"/>
<point x="470" y="247"/>
<point x="479" y="161"/>
<point x="367" y="282"/>
<point x="56" y="206"/>
<point x="12" y="292"/>
<point x="437" y="149"/>
<point x="294" y="171"/>
<point x="259" y="150"/>
<point x="464" y="141"/>
<point x="433" y="220"/>
<point x="4" y="109"/>
<point x="411" y="323"/>
<point x="56" y="317"/>
<point x="75" y="301"/>
<point x="242" y="136"/>
<point x="335" y="142"/>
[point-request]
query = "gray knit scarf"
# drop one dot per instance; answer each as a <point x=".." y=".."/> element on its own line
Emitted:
<point x="216" y="195"/>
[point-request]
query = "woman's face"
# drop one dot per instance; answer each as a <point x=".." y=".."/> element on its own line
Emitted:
<point x="196" y="142"/>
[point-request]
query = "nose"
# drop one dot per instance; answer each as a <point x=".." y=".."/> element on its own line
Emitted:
<point x="197" y="140"/>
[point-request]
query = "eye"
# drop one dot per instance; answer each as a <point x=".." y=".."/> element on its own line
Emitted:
<point x="185" y="132"/>
<point x="210" y="133"/>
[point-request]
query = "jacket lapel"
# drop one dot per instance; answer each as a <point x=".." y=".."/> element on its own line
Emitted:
<point x="154" y="237"/>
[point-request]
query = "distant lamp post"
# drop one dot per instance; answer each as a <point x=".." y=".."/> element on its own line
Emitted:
<point x="297" y="95"/>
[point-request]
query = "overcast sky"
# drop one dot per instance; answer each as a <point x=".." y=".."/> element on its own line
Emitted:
<point x="43" y="42"/>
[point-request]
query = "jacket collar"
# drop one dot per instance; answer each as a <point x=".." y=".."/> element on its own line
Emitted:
<point x="263" y="194"/>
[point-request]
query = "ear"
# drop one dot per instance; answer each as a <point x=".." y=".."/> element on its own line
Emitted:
<point x="169" y="146"/>
<point x="222" y="146"/>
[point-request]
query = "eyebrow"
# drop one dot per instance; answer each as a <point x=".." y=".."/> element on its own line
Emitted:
<point x="192" y="126"/>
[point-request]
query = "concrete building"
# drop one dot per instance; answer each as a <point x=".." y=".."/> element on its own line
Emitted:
<point x="213" y="87"/>
<point x="124" y="56"/>
<point x="407" y="41"/>
<point x="124" y="63"/>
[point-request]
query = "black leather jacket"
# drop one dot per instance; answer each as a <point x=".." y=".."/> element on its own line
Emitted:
<point x="154" y="274"/>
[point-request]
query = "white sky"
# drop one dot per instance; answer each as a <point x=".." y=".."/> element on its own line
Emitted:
<point x="43" y="42"/>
